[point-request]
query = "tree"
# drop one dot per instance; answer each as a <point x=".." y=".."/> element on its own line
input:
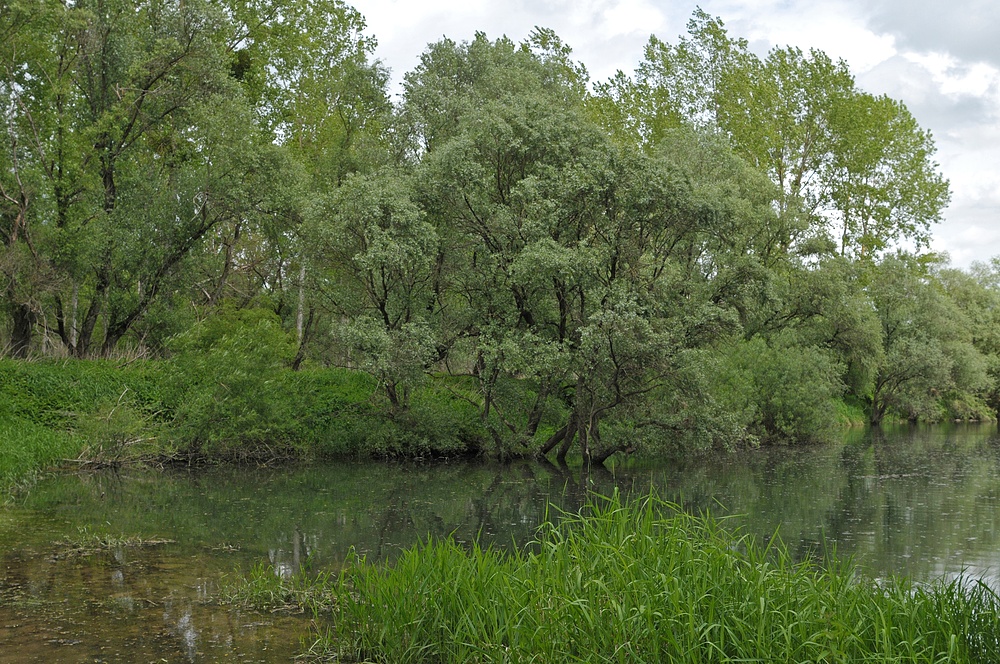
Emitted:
<point x="117" y="92"/>
<point x="306" y="69"/>
<point x="380" y="256"/>
<point x="927" y="343"/>
<point x="33" y="61"/>
<point x="856" y="167"/>
<point x="884" y="189"/>
<point x="585" y="270"/>
<point x="977" y="293"/>
<point x="132" y="129"/>
<point x="777" y="113"/>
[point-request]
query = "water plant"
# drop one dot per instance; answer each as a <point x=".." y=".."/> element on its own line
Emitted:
<point x="263" y="589"/>
<point x="644" y="582"/>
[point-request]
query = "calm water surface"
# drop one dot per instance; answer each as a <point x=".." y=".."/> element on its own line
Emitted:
<point x="923" y="502"/>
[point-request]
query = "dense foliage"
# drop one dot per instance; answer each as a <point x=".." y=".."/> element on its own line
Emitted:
<point x="639" y="582"/>
<point x="720" y="249"/>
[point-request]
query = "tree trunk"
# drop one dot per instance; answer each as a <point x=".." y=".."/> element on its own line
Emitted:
<point x="74" y="307"/>
<point x="300" y="313"/>
<point x="227" y="266"/>
<point x="553" y="440"/>
<point x="393" y="394"/>
<point x="600" y="457"/>
<point x="535" y="416"/>
<point x="86" y="332"/>
<point x="23" y="324"/>
<point x="567" y="441"/>
<point x="877" y="411"/>
<point x="300" y="354"/>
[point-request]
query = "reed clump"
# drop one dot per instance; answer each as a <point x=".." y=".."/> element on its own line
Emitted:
<point x="643" y="582"/>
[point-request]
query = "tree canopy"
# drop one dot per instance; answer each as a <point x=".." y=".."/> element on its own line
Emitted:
<point x="716" y="249"/>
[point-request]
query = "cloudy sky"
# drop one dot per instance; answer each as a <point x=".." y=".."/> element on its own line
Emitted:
<point x="941" y="58"/>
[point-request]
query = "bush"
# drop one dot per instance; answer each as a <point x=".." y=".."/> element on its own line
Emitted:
<point x="791" y="390"/>
<point x="226" y="385"/>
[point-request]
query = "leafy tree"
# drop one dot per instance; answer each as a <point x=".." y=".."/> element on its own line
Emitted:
<point x="380" y="256"/>
<point x="117" y="87"/>
<point x="778" y="115"/>
<point x="857" y="167"/>
<point x="134" y="135"/>
<point x="585" y="269"/>
<point x="977" y="294"/>
<point x="34" y="59"/>
<point x="927" y="342"/>
<point x="825" y="305"/>
<point x="883" y="188"/>
<point x="306" y="68"/>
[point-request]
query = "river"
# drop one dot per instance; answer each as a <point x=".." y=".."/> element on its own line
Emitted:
<point x="129" y="565"/>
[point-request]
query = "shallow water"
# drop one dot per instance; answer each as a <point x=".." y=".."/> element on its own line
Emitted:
<point x="923" y="502"/>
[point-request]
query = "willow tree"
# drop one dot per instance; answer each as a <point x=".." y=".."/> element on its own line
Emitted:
<point x="375" y="256"/>
<point x="927" y="339"/>
<point x="581" y="274"/>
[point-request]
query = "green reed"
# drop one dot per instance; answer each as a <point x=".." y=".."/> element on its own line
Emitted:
<point x="641" y="582"/>
<point x="264" y="590"/>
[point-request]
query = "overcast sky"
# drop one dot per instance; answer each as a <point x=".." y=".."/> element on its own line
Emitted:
<point x="941" y="58"/>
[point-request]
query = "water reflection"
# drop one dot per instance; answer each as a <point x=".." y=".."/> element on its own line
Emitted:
<point x="918" y="501"/>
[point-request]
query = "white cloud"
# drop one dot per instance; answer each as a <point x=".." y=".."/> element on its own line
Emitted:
<point x="833" y="27"/>
<point x="631" y="17"/>
<point x="955" y="77"/>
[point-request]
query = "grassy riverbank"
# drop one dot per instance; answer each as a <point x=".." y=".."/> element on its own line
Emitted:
<point x="642" y="582"/>
<point x="233" y="399"/>
<point x="103" y="412"/>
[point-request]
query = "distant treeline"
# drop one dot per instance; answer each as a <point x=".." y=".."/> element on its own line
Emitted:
<point x="718" y="249"/>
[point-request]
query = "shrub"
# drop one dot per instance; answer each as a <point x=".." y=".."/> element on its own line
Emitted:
<point x="791" y="389"/>
<point x="226" y="383"/>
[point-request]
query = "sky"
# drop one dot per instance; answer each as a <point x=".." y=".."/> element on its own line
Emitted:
<point x="942" y="59"/>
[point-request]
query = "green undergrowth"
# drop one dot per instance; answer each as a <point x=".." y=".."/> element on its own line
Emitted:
<point x="188" y="410"/>
<point x="638" y="582"/>
<point x="28" y="447"/>
<point x="851" y="412"/>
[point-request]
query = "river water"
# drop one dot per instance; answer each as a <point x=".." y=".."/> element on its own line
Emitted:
<point x="129" y="565"/>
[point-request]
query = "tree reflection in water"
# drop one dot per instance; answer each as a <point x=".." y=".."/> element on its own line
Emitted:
<point x="920" y="501"/>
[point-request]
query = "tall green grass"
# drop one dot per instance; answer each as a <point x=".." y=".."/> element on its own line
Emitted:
<point x="644" y="582"/>
<point x="26" y="447"/>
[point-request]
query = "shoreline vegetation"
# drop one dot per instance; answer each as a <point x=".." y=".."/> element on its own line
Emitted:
<point x="719" y="250"/>
<point x="94" y="413"/>
<point x="628" y="582"/>
<point x="223" y="240"/>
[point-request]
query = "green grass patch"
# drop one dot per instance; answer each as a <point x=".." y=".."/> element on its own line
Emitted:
<point x="639" y="582"/>
<point x="28" y="447"/>
<point x="851" y="412"/>
<point x="209" y="408"/>
<point x="265" y="590"/>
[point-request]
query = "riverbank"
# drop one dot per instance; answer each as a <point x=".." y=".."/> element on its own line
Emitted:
<point x="107" y="413"/>
<point x="631" y="582"/>
<point x="220" y="407"/>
